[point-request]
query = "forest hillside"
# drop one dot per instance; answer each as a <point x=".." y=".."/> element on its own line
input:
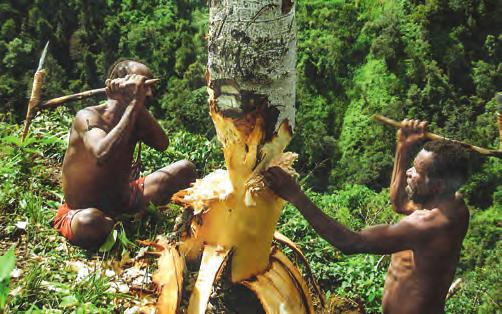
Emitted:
<point x="435" y="60"/>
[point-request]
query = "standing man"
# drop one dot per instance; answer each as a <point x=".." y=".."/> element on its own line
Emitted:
<point x="425" y="245"/>
<point x="97" y="164"/>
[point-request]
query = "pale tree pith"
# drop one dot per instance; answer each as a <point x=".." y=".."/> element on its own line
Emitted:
<point x="251" y="85"/>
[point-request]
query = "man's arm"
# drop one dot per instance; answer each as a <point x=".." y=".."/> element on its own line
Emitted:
<point x="104" y="144"/>
<point x="379" y="239"/>
<point x="398" y="196"/>
<point x="150" y="132"/>
<point x="411" y="132"/>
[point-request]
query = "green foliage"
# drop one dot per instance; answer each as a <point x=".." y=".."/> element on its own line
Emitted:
<point x="360" y="139"/>
<point x="207" y="155"/>
<point x="402" y="59"/>
<point x="27" y="180"/>
<point x="326" y="36"/>
<point x="7" y="264"/>
<point x="482" y="239"/>
<point x="362" y="277"/>
<point x="479" y="265"/>
<point x="482" y="185"/>
<point x="435" y="60"/>
<point x="47" y="288"/>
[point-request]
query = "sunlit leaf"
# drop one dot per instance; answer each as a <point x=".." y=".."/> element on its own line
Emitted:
<point x="123" y="238"/>
<point x="109" y="242"/>
<point x="68" y="301"/>
<point x="11" y="140"/>
<point x="7" y="264"/>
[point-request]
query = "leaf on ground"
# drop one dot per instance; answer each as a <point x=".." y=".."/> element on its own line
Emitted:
<point x="21" y="225"/>
<point x="68" y="301"/>
<point x="82" y="269"/>
<point x="124" y="240"/>
<point x="7" y="264"/>
<point x="109" y="242"/>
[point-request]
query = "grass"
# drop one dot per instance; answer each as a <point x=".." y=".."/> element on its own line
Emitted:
<point x="55" y="276"/>
<point x="52" y="276"/>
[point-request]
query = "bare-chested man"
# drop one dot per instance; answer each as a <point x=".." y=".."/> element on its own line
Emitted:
<point x="425" y="245"/>
<point x="97" y="163"/>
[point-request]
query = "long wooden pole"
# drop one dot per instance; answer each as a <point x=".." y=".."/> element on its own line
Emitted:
<point x="34" y="99"/>
<point x="56" y="102"/>
<point x="35" y="92"/>
<point x="435" y="137"/>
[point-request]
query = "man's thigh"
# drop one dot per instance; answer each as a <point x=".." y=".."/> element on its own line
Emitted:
<point x="163" y="183"/>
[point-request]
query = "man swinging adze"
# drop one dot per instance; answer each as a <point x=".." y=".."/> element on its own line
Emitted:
<point x="425" y="245"/>
<point x="97" y="164"/>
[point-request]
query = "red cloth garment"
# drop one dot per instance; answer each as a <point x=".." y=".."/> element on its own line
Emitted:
<point x="62" y="221"/>
<point x="137" y="189"/>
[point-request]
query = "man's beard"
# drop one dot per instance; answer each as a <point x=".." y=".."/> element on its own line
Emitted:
<point x="415" y="196"/>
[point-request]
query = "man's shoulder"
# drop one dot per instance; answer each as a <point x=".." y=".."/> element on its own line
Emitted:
<point x="87" y="116"/>
<point x="428" y="219"/>
<point x="88" y="112"/>
<point x="424" y="214"/>
<point x="446" y="217"/>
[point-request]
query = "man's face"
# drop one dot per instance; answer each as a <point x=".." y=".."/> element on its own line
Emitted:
<point x="419" y="187"/>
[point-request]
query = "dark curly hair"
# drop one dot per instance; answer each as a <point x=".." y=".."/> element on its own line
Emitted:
<point x="451" y="163"/>
<point x="121" y="68"/>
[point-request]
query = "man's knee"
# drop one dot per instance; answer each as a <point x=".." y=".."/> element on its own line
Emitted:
<point x="90" y="227"/>
<point x="161" y="185"/>
<point x="187" y="170"/>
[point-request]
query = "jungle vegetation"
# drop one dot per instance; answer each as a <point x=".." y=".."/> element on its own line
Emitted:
<point x="437" y="60"/>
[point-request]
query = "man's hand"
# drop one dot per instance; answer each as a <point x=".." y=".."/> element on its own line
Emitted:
<point x="411" y="132"/>
<point x="282" y="184"/>
<point x="131" y="87"/>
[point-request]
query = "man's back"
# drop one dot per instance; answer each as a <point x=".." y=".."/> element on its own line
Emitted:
<point x="418" y="280"/>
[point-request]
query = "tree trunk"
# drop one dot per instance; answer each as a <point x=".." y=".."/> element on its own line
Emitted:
<point x="251" y="85"/>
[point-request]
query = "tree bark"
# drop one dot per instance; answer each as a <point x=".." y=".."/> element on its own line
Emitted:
<point x="251" y="76"/>
<point x="251" y="66"/>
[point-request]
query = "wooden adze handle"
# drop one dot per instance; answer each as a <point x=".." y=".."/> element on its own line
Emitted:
<point x="435" y="137"/>
<point x="56" y="102"/>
